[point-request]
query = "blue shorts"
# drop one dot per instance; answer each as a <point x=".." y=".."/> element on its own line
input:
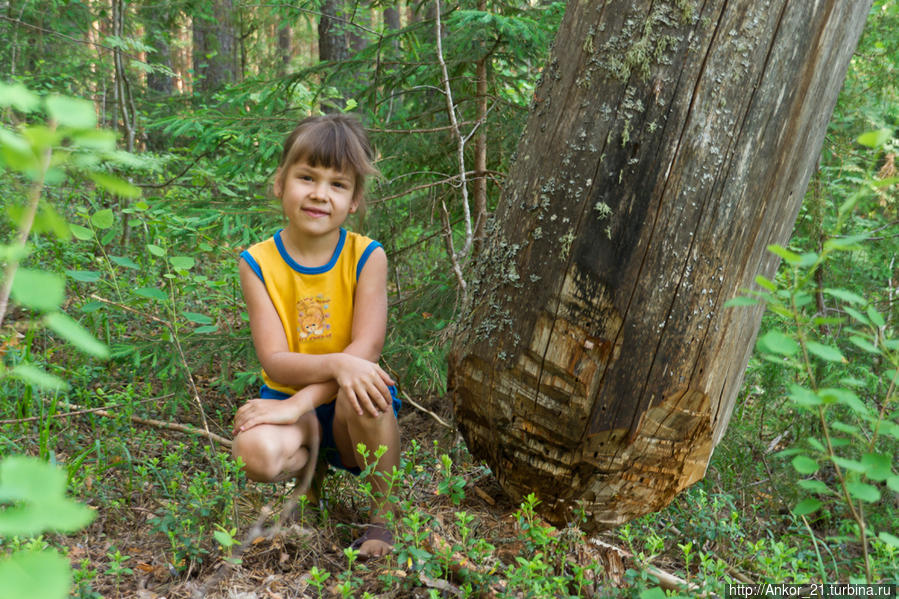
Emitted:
<point x="325" y="415"/>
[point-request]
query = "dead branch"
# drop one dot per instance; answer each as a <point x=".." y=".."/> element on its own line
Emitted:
<point x="77" y="412"/>
<point x="460" y="145"/>
<point x="439" y="420"/>
<point x="454" y="257"/>
<point x="666" y="580"/>
<point x="173" y="426"/>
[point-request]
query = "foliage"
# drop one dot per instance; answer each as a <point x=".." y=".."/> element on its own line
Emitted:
<point x="130" y="263"/>
<point x="854" y="433"/>
<point x="32" y="494"/>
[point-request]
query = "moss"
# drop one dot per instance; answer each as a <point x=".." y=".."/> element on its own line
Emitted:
<point x="566" y="242"/>
<point x="641" y="44"/>
<point x="602" y="209"/>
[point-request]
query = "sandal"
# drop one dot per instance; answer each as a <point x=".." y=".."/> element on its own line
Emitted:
<point x="373" y="532"/>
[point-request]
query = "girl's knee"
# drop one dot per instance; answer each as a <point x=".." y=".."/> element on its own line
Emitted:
<point x="261" y="459"/>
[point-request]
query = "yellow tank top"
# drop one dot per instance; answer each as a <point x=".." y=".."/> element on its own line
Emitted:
<point x="315" y="305"/>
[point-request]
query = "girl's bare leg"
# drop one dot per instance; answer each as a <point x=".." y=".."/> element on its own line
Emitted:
<point x="276" y="452"/>
<point x="351" y="429"/>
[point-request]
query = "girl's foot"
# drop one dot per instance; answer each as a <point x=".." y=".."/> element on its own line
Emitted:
<point x="376" y="541"/>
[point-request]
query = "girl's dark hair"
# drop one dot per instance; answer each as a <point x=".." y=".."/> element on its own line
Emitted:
<point x="335" y="141"/>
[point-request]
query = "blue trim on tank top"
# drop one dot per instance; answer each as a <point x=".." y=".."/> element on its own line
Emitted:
<point x="317" y="270"/>
<point x="253" y="264"/>
<point x="368" y="250"/>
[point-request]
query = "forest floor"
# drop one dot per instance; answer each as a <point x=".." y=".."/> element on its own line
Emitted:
<point x="131" y="553"/>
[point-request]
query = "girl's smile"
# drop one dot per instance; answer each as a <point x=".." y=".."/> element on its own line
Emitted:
<point x="316" y="199"/>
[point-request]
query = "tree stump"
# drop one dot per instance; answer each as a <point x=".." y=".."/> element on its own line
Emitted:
<point x="669" y="143"/>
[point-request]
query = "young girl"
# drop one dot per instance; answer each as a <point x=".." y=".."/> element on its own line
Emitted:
<point x="317" y="299"/>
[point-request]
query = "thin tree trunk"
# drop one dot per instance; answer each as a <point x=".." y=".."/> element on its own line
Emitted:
<point x="479" y="190"/>
<point x="284" y="50"/>
<point x="668" y="145"/>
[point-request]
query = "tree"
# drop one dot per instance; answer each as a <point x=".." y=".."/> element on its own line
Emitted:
<point x="215" y="45"/>
<point x="669" y="143"/>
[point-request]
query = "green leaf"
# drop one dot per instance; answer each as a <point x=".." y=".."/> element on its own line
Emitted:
<point x="844" y="396"/>
<point x="207" y="329"/>
<point x="182" y="262"/>
<point x="39" y="378"/>
<point x="197" y="317"/>
<point x="99" y="140"/>
<point x="857" y="315"/>
<point x="155" y="250"/>
<point x="16" y="151"/>
<point x="879" y="466"/>
<point x="19" y="97"/>
<point x="37" y="491"/>
<point x="152" y="293"/>
<point x="804" y="397"/>
<point x="807" y="506"/>
<point x="82" y="233"/>
<point x="788" y="256"/>
<point x="47" y="220"/>
<point x="825" y="352"/>
<point x="849" y="429"/>
<point x="763" y="282"/>
<point x="652" y="593"/>
<point x="91" y="306"/>
<point x="126" y="262"/>
<point x="846" y="296"/>
<point x="864" y="344"/>
<point x="36" y="575"/>
<point x="71" y="112"/>
<point x="741" y="300"/>
<point x="805" y="465"/>
<point x="103" y="219"/>
<point x="115" y="185"/>
<point x="889" y="539"/>
<point x="224" y="539"/>
<point x="848" y="464"/>
<point x="816" y="444"/>
<point x="76" y="334"/>
<point x="776" y="342"/>
<point x="876" y="138"/>
<point x="807" y="259"/>
<point x="875" y="316"/>
<point x="893" y="483"/>
<point x="84" y="276"/>
<point x="863" y="491"/>
<point x="850" y="242"/>
<point x="39" y="290"/>
<point x="814" y="486"/>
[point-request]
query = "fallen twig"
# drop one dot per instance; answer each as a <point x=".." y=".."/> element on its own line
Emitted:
<point x="439" y="420"/>
<point x="77" y="412"/>
<point x="173" y="426"/>
<point x="666" y="580"/>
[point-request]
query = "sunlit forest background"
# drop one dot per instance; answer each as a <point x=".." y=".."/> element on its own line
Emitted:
<point x="137" y="144"/>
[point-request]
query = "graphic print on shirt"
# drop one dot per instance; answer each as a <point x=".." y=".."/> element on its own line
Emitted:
<point x="313" y="318"/>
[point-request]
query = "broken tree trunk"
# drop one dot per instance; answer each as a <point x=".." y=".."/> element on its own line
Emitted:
<point x="669" y="143"/>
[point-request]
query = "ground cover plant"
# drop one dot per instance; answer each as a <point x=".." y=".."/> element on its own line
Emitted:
<point x="125" y="346"/>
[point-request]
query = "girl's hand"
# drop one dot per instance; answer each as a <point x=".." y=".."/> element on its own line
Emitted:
<point x="265" y="411"/>
<point x="363" y="384"/>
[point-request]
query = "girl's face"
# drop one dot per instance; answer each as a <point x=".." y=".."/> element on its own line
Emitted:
<point x="316" y="200"/>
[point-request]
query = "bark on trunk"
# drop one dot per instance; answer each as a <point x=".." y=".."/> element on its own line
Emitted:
<point x="669" y="143"/>
<point x="215" y="47"/>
